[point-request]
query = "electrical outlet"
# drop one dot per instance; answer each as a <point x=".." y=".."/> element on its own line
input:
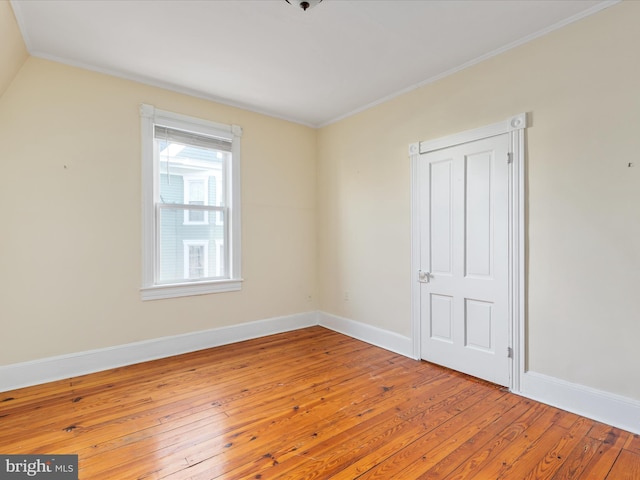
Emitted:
<point x="346" y="296"/>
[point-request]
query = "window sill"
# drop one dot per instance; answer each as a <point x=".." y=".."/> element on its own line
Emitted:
<point x="158" y="292"/>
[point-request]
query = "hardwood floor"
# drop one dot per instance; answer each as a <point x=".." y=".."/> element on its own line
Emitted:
<point x="301" y="405"/>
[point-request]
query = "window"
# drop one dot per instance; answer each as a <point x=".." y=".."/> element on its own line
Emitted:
<point x="191" y="204"/>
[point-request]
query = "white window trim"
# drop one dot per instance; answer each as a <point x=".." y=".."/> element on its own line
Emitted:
<point x="187" y="258"/>
<point x="187" y="193"/>
<point x="151" y="290"/>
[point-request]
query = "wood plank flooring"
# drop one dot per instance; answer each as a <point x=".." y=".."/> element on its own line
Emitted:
<point x="308" y="404"/>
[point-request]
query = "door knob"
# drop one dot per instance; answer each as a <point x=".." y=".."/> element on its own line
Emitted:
<point x="423" y="277"/>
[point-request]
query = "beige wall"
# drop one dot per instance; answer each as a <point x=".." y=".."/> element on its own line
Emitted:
<point x="70" y="249"/>
<point x="582" y="87"/>
<point x="13" y="52"/>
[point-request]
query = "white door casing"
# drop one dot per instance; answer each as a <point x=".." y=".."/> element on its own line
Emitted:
<point x="468" y="251"/>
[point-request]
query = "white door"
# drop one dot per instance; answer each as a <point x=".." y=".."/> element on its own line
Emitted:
<point x="464" y="258"/>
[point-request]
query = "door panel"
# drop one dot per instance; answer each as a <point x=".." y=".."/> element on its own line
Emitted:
<point x="478" y="214"/>
<point x="441" y="318"/>
<point x="441" y="197"/>
<point x="464" y="252"/>
<point x="478" y="324"/>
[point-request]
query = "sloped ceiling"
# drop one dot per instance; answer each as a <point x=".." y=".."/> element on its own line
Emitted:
<point x="12" y="49"/>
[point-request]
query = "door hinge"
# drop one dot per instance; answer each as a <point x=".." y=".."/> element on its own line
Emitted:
<point x="509" y="352"/>
<point x="509" y="157"/>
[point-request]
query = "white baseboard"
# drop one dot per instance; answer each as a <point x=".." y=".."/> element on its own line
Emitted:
<point x="44" y="370"/>
<point x="367" y="333"/>
<point x="605" y="407"/>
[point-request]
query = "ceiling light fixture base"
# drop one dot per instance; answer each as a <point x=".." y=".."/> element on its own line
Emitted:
<point x="304" y="4"/>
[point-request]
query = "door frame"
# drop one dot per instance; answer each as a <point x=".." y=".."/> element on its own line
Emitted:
<point x="514" y="126"/>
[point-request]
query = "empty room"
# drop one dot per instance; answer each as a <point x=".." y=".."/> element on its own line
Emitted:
<point x="350" y="239"/>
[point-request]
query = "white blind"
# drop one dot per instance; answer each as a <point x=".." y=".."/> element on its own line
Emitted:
<point x="184" y="137"/>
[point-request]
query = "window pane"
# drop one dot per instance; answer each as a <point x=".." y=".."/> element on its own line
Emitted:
<point x="191" y="173"/>
<point x="188" y="251"/>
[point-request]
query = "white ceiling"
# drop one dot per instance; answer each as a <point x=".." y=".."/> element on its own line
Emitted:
<point x="311" y="67"/>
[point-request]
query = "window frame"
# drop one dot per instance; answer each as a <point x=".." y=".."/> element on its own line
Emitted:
<point x="151" y="289"/>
